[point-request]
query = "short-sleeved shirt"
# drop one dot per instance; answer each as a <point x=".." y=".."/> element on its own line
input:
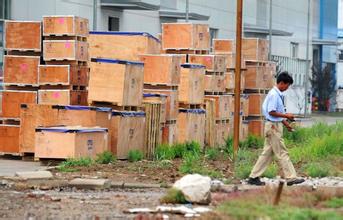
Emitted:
<point x="273" y="102"/>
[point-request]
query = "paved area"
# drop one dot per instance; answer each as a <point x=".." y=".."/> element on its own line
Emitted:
<point x="8" y="167"/>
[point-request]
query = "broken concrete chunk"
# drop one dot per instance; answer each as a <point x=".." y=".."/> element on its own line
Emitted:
<point x="90" y="183"/>
<point x="195" y="188"/>
<point x="34" y="175"/>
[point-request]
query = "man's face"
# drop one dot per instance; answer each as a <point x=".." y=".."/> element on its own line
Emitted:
<point x="283" y="86"/>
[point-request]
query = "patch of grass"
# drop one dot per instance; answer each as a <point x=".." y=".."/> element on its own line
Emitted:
<point x="319" y="169"/>
<point x="272" y="171"/>
<point x="252" y="142"/>
<point x="174" y="196"/>
<point x="164" y="152"/>
<point x="212" y="153"/>
<point x="334" y="203"/>
<point x="135" y="155"/>
<point x="252" y="210"/>
<point x="105" y="158"/>
<point x="193" y="163"/>
<point x="71" y="164"/>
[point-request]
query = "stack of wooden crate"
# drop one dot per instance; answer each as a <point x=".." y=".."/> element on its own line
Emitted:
<point x="63" y="79"/>
<point x="260" y="78"/>
<point x="162" y="77"/>
<point x="21" y="61"/>
<point x="226" y="47"/>
<point x="215" y="90"/>
<point x="116" y="81"/>
<point x="188" y="39"/>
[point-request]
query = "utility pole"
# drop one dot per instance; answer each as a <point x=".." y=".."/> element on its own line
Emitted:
<point x="237" y="78"/>
<point x="187" y="11"/>
<point x="95" y="14"/>
<point x="270" y="28"/>
<point x="307" y="55"/>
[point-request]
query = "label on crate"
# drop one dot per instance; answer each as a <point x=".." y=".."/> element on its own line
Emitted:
<point x="61" y="20"/>
<point x="90" y="145"/>
<point x="24" y="67"/>
<point x="67" y="45"/>
<point x="56" y="95"/>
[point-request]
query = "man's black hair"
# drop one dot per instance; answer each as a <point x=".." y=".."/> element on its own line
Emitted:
<point x="285" y="78"/>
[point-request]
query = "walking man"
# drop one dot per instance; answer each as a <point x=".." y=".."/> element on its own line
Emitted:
<point x="273" y="109"/>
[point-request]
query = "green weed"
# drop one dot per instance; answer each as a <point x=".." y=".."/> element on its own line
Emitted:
<point x="174" y="196"/>
<point x="135" y="155"/>
<point x="105" y="158"/>
<point x="334" y="203"/>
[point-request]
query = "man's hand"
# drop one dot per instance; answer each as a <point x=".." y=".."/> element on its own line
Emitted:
<point x="289" y="116"/>
<point x="287" y="125"/>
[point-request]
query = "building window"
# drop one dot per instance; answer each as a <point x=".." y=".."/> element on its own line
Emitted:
<point x="294" y="49"/>
<point x="113" y="24"/>
<point x="213" y="34"/>
<point x="340" y="55"/>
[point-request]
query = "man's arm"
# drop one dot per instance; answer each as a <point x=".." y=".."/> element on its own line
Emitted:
<point x="284" y="122"/>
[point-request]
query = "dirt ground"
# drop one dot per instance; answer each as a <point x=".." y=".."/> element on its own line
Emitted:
<point x="75" y="204"/>
<point x="166" y="172"/>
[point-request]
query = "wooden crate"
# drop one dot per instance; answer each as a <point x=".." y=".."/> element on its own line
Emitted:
<point x="270" y="75"/>
<point x="223" y="106"/>
<point x="65" y="26"/>
<point x="169" y="133"/>
<point x="210" y="122"/>
<point x="162" y="69"/>
<point x="256" y="127"/>
<point x="172" y="101"/>
<point x="215" y="83"/>
<point x="127" y="132"/>
<point x="66" y="75"/>
<point x="221" y="46"/>
<point x="122" y="45"/>
<point x="12" y="99"/>
<point x="255" y="77"/>
<point x="191" y="125"/>
<point x="21" y="70"/>
<point x="23" y="36"/>
<point x="70" y="142"/>
<point x="62" y="97"/>
<point x="255" y="49"/>
<point x="153" y="127"/>
<point x="154" y="98"/>
<point x="244" y="111"/>
<point x="9" y="139"/>
<point x="69" y="50"/>
<point x="213" y="63"/>
<point x="185" y="36"/>
<point x="192" y="84"/>
<point x="223" y="132"/>
<point x="243" y="129"/>
<point x="33" y="116"/>
<point x="230" y="81"/>
<point x="117" y="82"/>
<point x="255" y="104"/>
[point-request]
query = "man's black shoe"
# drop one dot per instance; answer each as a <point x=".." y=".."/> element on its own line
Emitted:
<point x="295" y="181"/>
<point x="256" y="181"/>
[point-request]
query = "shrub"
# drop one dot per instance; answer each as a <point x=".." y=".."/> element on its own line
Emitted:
<point x="70" y="164"/>
<point x="164" y="152"/>
<point x="317" y="169"/>
<point x="135" y="155"/>
<point x="212" y="153"/>
<point x="105" y="158"/>
<point x="174" y="196"/>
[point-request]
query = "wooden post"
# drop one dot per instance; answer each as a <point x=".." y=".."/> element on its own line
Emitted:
<point x="278" y="193"/>
<point x="238" y="76"/>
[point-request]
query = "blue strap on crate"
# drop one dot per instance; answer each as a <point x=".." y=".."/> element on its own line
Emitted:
<point x="128" y="114"/>
<point x="125" y="62"/>
<point x="193" y="111"/>
<point x="148" y="95"/>
<point x="71" y="130"/>
<point x="192" y="66"/>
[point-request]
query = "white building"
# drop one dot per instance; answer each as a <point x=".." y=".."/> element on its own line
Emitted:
<point x="289" y="22"/>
